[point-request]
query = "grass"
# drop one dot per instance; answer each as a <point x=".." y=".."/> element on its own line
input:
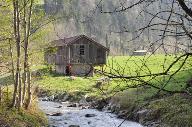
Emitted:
<point x="126" y="65"/>
<point x="62" y="83"/>
<point x="22" y="118"/>
<point x="18" y="118"/>
<point x="133" y="65"/>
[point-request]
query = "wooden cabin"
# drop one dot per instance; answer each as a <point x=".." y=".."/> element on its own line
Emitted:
<point x="76" y="55"/>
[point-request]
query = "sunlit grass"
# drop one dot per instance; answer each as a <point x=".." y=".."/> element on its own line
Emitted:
<point x="127" y="66"/>
<point x="132" y="65"/>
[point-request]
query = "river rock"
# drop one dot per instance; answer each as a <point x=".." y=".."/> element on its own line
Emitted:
<point x="83" y="101"/>
<point x="52" y="126"/>
<point x="72" y="105"/>
<point x="100" y="104"/>
<point x="51" y="98"/>
<point x="88" y="98"/>
<point x="90" y="115"/>
<point x="123" y="114"/>
<point x="147" y="115"/>
<point x="59" y="106"/>
<point x="85" y="107"/>
<point x="74" y="126"/>
<point x="45" y="99"/>
<point x="61" y="97"/>
<point x="56" y="114"/>
<point x="65" y="98"/>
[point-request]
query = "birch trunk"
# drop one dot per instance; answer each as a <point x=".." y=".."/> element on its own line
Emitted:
<point x="28" y="76"/>
<point x="17" y="39"/>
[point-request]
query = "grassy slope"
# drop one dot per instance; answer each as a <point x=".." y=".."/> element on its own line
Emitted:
<point x="23" y="118"/>
<point x="14" y="118"/>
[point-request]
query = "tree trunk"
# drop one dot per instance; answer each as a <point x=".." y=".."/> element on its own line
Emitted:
<point x="20" y="92"/>
<point x="17" y="38"/>
<point x="25" y="51"/>
<point x="18" y="78"/>
<point x="28" y="76"/>
<point x="29" y="90"/>
<point x="12" y="62"/>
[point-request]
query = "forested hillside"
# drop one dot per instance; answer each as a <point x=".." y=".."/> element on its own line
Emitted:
<point x="89" y="17"/>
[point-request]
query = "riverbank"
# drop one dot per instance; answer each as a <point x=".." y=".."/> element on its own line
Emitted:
<point x="33" y="117"/>
<point x="163" y="110"/>
<point x="134" y="105"/>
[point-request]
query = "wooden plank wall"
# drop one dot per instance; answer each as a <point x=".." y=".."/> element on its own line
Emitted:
<point x="94" y="54"/>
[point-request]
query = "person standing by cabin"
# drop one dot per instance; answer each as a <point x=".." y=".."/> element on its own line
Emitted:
<point x="68" y="70"/>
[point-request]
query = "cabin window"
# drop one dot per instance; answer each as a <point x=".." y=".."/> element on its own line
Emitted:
<point x="82" y="50"/>
<point x="99" y="53"/>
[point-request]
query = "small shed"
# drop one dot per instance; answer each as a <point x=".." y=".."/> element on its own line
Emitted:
<point x="139" y="53"/>
<point x="76" y="55"/>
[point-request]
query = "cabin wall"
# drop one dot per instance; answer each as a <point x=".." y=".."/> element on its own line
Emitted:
<point x="80" y="64"/>
<point x="75" y="52"/>
<point x="62" y="57"/>
<point x="60" y="69"/>
<point x="94" y="54"/>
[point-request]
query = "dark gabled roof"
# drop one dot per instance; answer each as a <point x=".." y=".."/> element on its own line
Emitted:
<point x="71" y="40"/>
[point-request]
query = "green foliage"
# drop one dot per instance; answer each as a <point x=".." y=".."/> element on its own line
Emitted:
<point x="124" y="65"/>
<point x="14" y="118"/>
<point x="6" y="80"/>
<point x="50" y="50"/>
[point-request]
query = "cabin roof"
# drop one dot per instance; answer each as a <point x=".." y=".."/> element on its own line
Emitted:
<point x="72" y="40"/>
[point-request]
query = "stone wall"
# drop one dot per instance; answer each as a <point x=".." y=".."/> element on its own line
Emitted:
<point x="82" y="70"/>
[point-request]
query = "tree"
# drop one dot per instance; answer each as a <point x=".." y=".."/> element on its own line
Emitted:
<point x="23" y="28"/>
<point x="172" y="20"/>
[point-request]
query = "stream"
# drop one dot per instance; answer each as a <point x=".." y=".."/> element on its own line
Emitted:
<point x="78" y="117"/>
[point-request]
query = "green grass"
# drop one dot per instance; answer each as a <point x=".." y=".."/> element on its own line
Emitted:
<point x="126" y="65"/>
<point x="22" y="118"/>
<point x="132" y="65"/>
<point x="62" y="83"/>
<point x="18" y="118"/>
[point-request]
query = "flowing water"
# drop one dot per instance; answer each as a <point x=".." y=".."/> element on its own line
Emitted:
<point x="77" y="116"/>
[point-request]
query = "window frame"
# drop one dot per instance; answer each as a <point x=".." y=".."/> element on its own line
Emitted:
<point x="81" y="49"/>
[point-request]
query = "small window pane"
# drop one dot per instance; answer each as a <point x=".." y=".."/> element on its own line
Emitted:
<point x="82" y="50"/>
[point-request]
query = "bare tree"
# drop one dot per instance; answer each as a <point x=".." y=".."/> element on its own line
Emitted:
<point x="167" y="23"/>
